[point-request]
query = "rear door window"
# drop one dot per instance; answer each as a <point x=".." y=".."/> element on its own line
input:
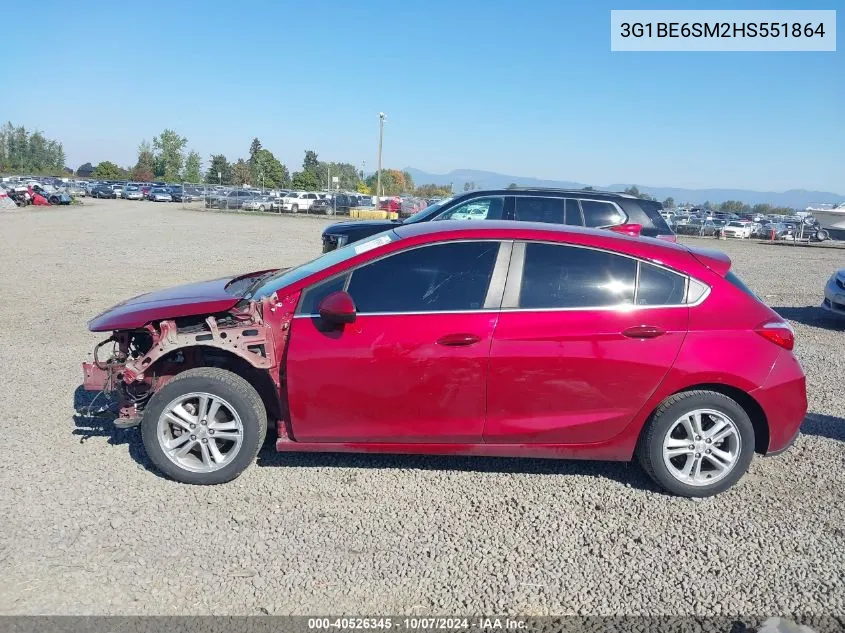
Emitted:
<point x="560" y="276"/>
<point x="535" y="209"/>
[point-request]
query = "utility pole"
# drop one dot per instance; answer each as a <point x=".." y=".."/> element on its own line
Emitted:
<point x="381" y="118"/>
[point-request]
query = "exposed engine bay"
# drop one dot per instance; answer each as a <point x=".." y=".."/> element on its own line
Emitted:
<point x="131" y="365"/>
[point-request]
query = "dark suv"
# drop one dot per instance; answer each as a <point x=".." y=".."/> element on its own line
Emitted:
<point x="597" y="209"/>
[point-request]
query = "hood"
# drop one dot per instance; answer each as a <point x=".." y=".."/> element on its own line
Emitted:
<point x="343" y="227"/>
<point x="205" y="297"/>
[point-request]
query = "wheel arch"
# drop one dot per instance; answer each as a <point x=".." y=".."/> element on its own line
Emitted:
<point x="755" y="412"/>
<point x="208" y="356"/>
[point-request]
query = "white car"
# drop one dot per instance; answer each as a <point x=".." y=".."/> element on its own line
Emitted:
<point x="297" y="201"/>
<point x="738" y="228"/>
<point x="118" y="190"/>
<point x="834" y="293"/>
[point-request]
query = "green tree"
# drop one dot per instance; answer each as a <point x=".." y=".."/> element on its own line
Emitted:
<point x="734" y="206"/>
<point x="253" y="149"/>
<point x="432" y="191"/>
<point x="143" y="170"/>
<point x="589" y="188"/>
<point x="763" y="209"/>
<point x="193" y="167"/>
<point x="669" y="203"/>
<point x="168" y="148"/>
<point x="241" y="175"/>
<point x="469" y="186"/>
<point x="305" y="181"/>
<point x="219" y="171"/>
<point x="22" y="151"/>
<point x="513" y="185"/>
<point x="268" y="171"/>
<point x="85" y="170"/>
<point x="107" y="170"/>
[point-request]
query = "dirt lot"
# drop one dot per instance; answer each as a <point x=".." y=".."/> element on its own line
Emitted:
<point x="88" y="528"/>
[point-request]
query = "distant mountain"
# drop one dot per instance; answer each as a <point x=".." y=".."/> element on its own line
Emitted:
<point x="795" y="198"/>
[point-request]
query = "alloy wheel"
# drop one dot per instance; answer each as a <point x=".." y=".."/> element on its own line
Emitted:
<point x="200" y="432"/>
<point x="701" y="447"/>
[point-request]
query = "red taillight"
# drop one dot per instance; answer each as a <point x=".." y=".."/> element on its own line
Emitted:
<point x="633" y="230"/>
<point x="778" y="332"/>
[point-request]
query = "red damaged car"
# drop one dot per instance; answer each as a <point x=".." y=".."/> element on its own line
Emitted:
<point x="476" y="338"/>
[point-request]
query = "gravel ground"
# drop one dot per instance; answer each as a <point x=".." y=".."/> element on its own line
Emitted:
<point x="88" y="529"/>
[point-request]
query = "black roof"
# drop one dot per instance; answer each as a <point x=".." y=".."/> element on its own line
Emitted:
<point x="592" y="193"/>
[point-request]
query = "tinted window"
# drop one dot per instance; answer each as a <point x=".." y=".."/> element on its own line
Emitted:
<point x="598" y="213"/>
<point x="652" y="209"/>
<point x="313" y="296"/>
<point x="429" y="279"/>
<point x="573" y="213"/>
<point x="659" y="286"/>
<point x="476" y="209"/>
<point x="568" y="277"/>
<point x="548" y="210"/>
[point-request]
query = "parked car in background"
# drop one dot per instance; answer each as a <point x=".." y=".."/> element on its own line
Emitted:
<point x="160" y="194"/>
<point x="233" y="199"/>
<point x="595" y="209"/>
<point x="454" y="329"/>
<point x="297" y="201"/>
<point x="323" y="205"/>
<point x="103" y="191"/>
<point x="75" y="190"/>
<point x="834" y="293"/>
<point x="133" y="192"/>
<point x="118" y="191"/>
<point x="737" y="228"/>
<point x="260" y="203"/>
<point x="176" y="192"/>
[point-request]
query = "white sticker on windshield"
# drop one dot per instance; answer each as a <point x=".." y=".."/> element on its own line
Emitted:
<point x="368" y="246"/>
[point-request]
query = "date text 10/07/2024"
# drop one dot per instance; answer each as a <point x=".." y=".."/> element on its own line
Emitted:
<point x="721" y="29"/>
<point x="417" y="624"/>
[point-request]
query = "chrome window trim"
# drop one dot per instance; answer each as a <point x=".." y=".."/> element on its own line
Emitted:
<point x="350" y="271"/>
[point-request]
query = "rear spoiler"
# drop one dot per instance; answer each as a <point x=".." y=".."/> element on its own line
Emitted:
<point x="714" y="259"/>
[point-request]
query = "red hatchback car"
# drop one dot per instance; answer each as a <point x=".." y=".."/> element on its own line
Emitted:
<point x="476" y="338"/>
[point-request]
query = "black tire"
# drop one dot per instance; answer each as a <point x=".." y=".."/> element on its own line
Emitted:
<point x="261" y="207"/>
<point x="822" y="235"/>
<point x="649" y="451"/>
<point x="294" y="208"/>
<point x="236" y="391"/>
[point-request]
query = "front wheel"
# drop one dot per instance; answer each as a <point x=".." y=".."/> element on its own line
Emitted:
<point x="294" y="208"/>
<point x="822" y="235"/>
<point x="204" y="427"/>
<point x="261" y="207"/>
<point x="697" y="444"/>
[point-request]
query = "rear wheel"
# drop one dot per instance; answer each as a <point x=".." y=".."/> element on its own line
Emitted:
<point x="822" y="235"/>
<point x="294" y="208"/>
<point x="697" y="444"/>
<point x="204" y="427"/>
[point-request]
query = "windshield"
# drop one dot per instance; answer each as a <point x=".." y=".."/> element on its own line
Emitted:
<point x="429" y="212"/>
<point x="739" y="224"/>
<point x="265" y="286"/>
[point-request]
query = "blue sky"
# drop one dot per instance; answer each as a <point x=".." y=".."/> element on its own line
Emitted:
<point x="528" y="88"/>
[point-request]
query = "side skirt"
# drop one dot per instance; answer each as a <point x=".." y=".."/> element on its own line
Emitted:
<point x="608" y="452"/>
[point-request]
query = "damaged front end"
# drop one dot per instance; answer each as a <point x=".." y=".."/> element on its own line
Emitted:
<point x="131" y="365"/>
